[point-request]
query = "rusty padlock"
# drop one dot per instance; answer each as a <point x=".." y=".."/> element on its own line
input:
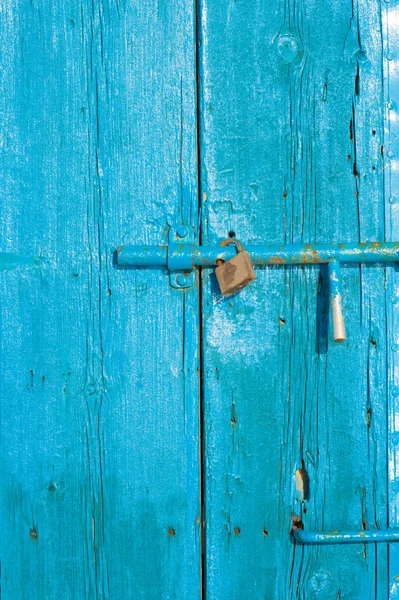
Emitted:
<point x="236" y="273"/>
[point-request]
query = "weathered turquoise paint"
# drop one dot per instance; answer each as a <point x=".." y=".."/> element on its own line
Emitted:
<point x="98" y="366"/>
<point x="390" y="30"/>
<point x="292" y="138"/>
<point x="100" y="362"/>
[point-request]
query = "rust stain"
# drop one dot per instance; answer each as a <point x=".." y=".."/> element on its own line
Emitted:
<point x="237" y="530"/>
<point x="296" y="522"/>
<point x="207" y="262"/>
<point x="314" y="257"/>
<point x="33" y="534"/>
<point x="171" y="532"/>
<point x="276" y="260"/>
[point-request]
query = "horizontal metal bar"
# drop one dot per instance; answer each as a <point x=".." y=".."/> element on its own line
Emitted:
<point x="206" y="256"/>
<point x="143" y="256"/>
<point x="346" y="537"/>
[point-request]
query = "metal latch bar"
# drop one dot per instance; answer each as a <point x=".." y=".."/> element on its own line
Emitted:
<point x="289" y="254"/>
<point x="346" y="537"/>
<point x="182" y="256"/>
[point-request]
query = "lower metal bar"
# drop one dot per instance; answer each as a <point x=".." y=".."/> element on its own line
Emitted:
<point x="206" y="256"/>
<point x="346" y="537"/>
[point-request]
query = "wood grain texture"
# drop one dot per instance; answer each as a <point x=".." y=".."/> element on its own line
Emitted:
<point x="292" y="129"/>
<point x="99" y="383"/>
<point x="391" y="153"/>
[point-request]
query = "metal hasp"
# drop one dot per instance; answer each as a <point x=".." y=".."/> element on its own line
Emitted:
<point x="346" y="537"/>
<point x="181" y="258"/>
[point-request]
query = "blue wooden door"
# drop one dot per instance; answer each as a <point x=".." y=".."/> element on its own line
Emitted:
<point x="160" y="441"/>
<point x="298" y="145"/>
<point x="99" y="386"/>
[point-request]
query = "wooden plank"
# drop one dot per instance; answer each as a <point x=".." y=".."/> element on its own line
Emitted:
<point x="391" y="150"/>
<point x="292" y="126"/>
<point x="99" y="384"/>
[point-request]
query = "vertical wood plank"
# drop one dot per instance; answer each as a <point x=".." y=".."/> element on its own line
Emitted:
<point x="292" y="126"/>
<point x="391" y="152"/>
<point x="99" y="383"/>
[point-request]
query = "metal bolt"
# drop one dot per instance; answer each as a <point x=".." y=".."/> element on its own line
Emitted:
<point x="182" y="231"/>
<point x="389" y="56"/>
<point x="181" y="280"/>
<point x="390" y="154"/>
<point x="392" y="200"/>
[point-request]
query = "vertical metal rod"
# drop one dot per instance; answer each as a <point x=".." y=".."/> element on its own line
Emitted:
<point x="335" y="282"/>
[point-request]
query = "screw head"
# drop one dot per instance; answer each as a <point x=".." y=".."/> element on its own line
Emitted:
<point x="182" y="231"/>
<point x="181" y="280"/>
